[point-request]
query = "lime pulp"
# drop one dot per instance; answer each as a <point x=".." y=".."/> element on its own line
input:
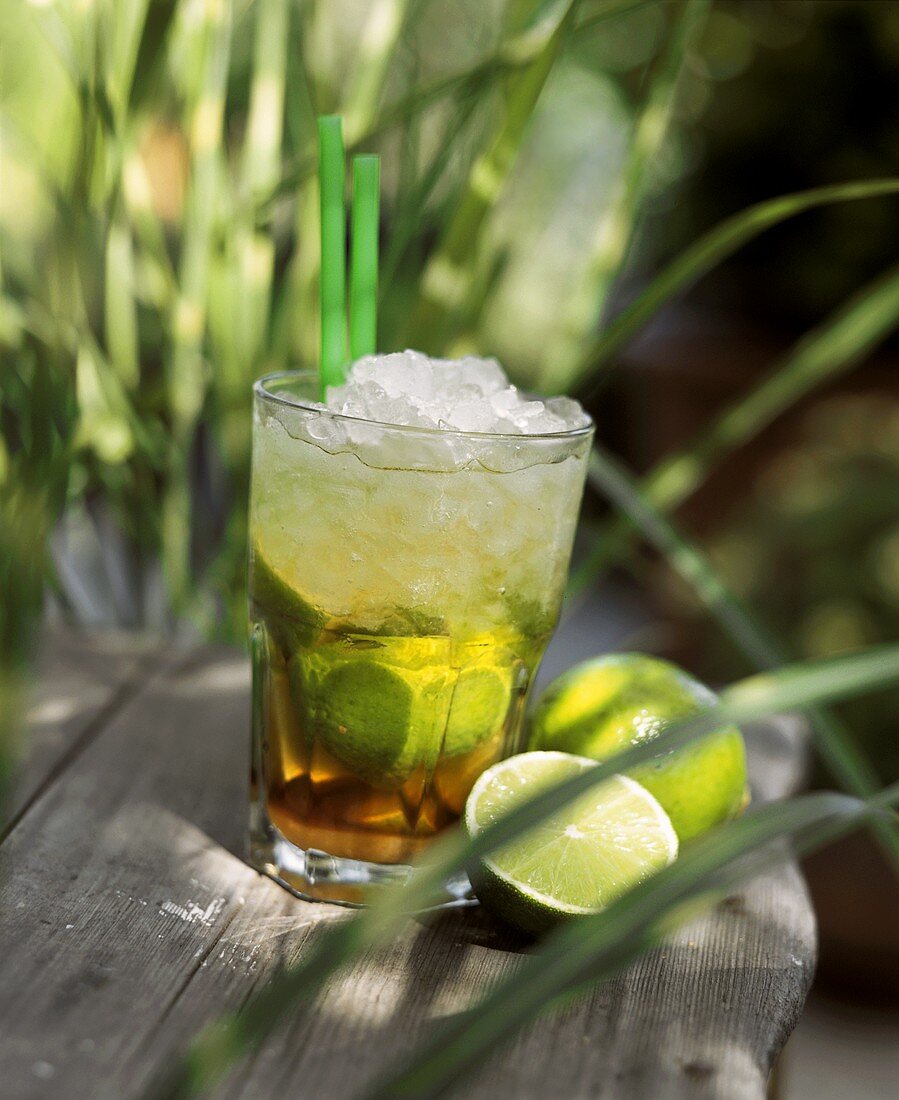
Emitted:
<point x="579" y="859"/>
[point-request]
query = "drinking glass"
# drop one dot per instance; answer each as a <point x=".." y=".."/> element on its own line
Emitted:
<point x="404" y="584"/>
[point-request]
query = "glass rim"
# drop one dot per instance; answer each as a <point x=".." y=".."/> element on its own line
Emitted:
<point x="262" y="391"/>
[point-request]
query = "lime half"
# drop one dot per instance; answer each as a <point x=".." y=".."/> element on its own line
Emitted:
<point x="578" y="860"/>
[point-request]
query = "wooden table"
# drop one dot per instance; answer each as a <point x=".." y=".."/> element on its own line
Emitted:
<point x="127" y="919"/>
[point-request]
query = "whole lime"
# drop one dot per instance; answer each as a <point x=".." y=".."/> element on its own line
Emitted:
<point x="603" y="706"/>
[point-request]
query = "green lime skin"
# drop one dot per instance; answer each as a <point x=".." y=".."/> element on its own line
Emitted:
<point x="480" y="703"/>
<point x="293" y="622"/>
<point x="382" y="722"/>
<point x="604" y="706"/>
<point x="364" y="714"/>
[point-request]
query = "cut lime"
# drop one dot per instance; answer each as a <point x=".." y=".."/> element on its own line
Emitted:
<point x="387" y="706"/>
<point x="363" y="711"/>
<point x="603" y="706"/>
<point x="479" y="707"/>
<point x="379" y="708"/>
<point x="578" y="860"/>
<point x="293" y="621"/>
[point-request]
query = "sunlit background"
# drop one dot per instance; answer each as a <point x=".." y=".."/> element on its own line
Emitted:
<point x="158" y="213"/>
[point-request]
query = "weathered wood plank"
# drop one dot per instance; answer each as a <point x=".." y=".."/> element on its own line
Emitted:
<point x="118" y="881"/>
<point x="79" y="682"/>
<point x="126" y="921"/>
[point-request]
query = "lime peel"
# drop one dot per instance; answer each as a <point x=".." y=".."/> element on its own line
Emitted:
<point x="603" y="706"/>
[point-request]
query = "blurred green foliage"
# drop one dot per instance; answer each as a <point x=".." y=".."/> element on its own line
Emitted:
<point x="815" y="546"/>
<point x="802" y="96"/>
<point x="159" y="232"/>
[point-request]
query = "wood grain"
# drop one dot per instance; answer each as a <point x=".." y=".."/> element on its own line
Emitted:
<point x="79" y="682"/>
<point x="127" y="920"/>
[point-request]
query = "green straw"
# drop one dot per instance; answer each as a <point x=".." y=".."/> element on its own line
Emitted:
<point x="364" y="257"/>
<point x="333" y="258"/>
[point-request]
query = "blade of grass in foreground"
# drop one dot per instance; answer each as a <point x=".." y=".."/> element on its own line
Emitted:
<point x="596" y="947"/>
<point x="720" y="242"/>
<point x="790" y="688"/>
<point x="835" y="744"/>
<point x="842" y="341"/>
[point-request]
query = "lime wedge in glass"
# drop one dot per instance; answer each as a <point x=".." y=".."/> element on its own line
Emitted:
<point x="293" y="620"/>
<point x="480" y="703"/>
<point x="578" y="860"/>
<point x="365" y="718"/>
<point x="380" y="710"/>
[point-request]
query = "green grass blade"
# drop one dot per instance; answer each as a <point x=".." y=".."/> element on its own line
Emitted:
<point x="610" y="10"/>
<point x="450" y="269"/>
<point x="260" y="156"/>
<point x="377" y="43"/>
<point x="149" y="236"/>
<point x="151" y="52"/>
<point x="417" y="187"/>
<point x="259" y="171"/>
<point x="120" y="312"/>
<point x="562" y="361"/>
<point x="186" y="377"/>
<point x="295" y="326"/>
<point x="849" y="765"/>
<point x="57" y="30"/>
<point x="597" y="947"/>
<point x="364" y="257"/>
<point x="714" y="247"/>
<point x="127" y="22"/>
<point x="792" y="688"/>
<point x="188" y="324"/>
<point x="842" y="341"/>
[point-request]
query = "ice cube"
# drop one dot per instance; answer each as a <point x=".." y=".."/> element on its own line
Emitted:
<point x="471" y="416"/>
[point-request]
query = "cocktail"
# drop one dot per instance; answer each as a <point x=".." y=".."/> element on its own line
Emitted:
<point x="411" y="522"/>
<point x="405" y="580"/>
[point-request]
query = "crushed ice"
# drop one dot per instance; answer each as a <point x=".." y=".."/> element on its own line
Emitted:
<point x="469" y="395"/>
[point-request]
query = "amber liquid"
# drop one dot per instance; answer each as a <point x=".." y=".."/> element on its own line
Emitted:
<point x="317" y="801"/>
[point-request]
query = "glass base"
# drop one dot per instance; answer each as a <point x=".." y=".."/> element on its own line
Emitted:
<point x="315" y="875"/>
